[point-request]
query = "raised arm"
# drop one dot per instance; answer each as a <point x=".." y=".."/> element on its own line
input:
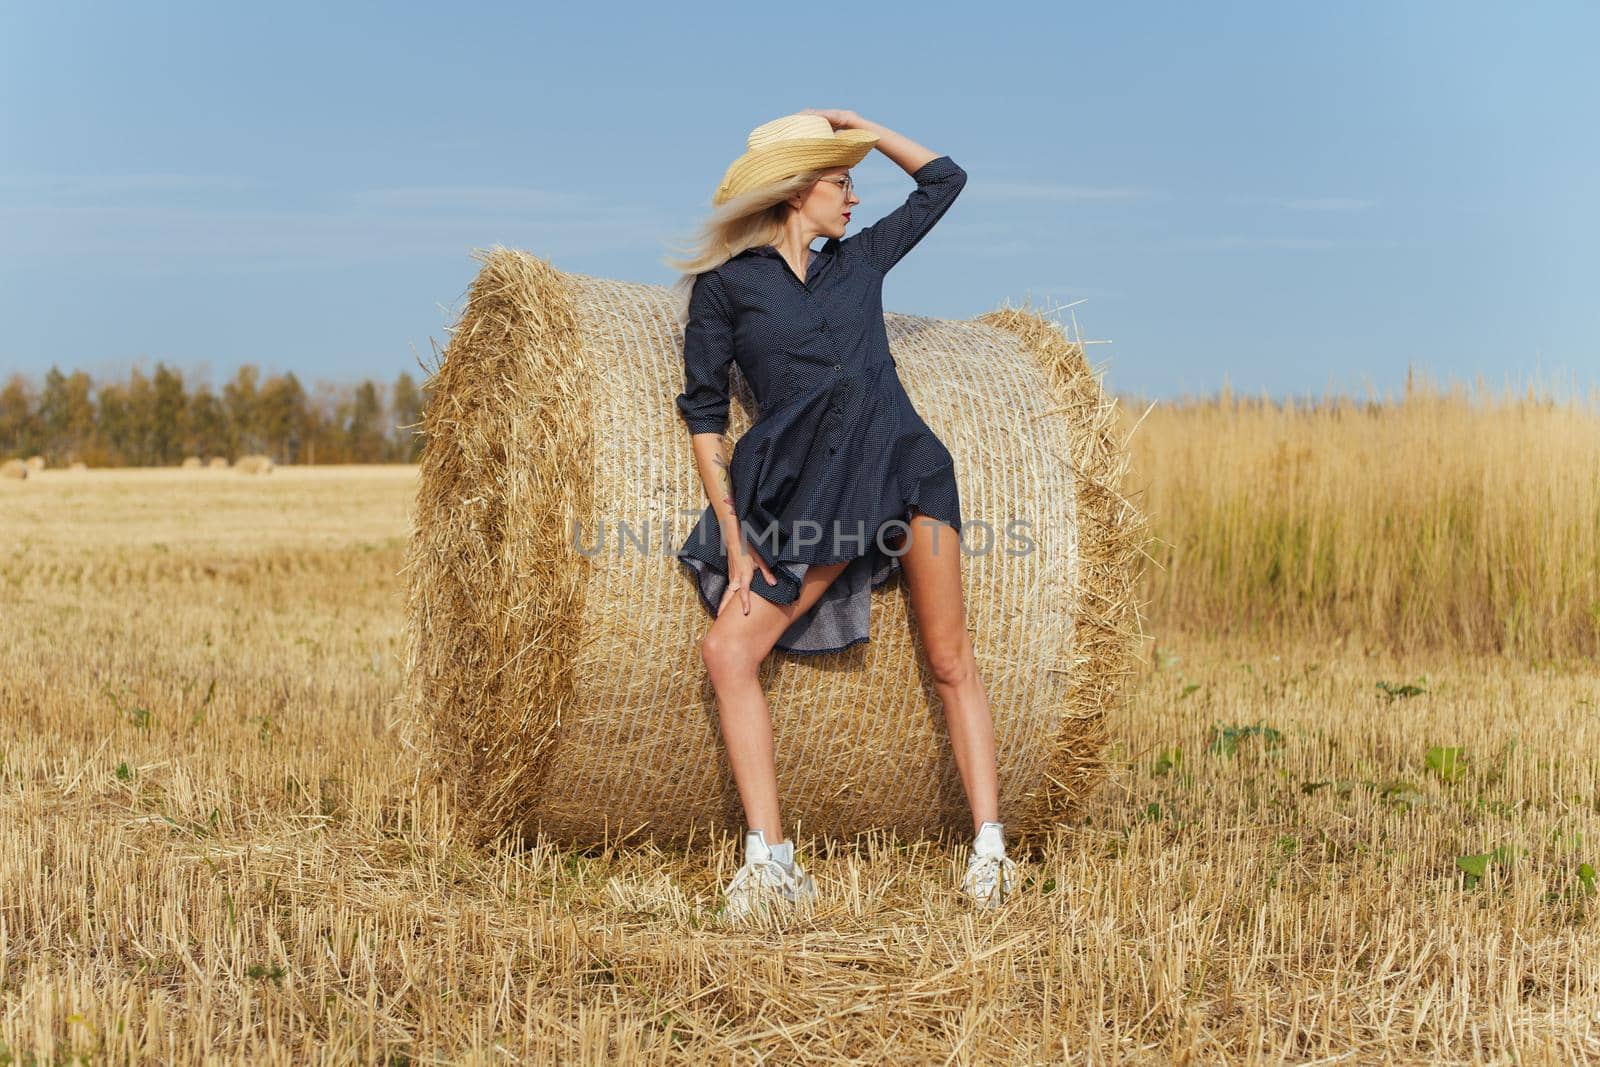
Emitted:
<point x="939" y="179"/>
<point x="885" y="242"/>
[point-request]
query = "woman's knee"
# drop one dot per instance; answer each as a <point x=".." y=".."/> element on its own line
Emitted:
<point x="952" y="661"/>
<point x="725" y="656"/>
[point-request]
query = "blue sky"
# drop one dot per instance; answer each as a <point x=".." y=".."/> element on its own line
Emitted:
<point x="1288" y="197"/>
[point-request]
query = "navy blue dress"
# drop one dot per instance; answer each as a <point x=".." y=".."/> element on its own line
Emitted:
<point x="837" y="450"/>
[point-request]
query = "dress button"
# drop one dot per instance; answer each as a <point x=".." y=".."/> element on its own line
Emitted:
<point x="838" y="366"/>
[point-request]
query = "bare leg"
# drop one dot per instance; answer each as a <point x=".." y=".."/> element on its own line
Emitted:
<point x="932" y="566"/>
<point x="733" y="650"/>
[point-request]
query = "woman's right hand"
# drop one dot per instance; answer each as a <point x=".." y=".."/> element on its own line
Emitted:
<point x="742" y="566"/>
<point x="838" y="118"/>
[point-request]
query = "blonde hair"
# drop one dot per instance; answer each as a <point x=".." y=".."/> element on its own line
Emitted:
<point x="749" y="220"/>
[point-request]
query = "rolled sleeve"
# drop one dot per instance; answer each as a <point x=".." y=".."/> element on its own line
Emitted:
<point x="707" y="351"/>
<point x="885" y="242"/>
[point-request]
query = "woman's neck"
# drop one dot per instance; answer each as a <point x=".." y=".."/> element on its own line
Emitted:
<point x="794" y="241"/>
<point x="795" y="252"/>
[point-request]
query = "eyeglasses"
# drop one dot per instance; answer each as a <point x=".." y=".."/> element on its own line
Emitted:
<point x="843" y="182"/>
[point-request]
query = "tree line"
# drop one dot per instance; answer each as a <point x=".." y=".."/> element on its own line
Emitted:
<point x="158" y="419"/>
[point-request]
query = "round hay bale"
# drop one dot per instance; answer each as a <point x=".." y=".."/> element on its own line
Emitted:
<point x="191" y="463"/>
<point x="218" y="463"/>
<point x="36" y="463"/>
<point x="77" y="465"/>
<point x="556" y="688"/>
<point x="254" y="465"/>
<point x="15" y="469"/>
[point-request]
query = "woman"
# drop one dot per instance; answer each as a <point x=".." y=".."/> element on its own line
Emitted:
<point x="839" y="482"/>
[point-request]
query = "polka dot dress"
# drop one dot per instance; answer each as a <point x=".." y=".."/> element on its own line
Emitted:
<point x="838" y="453"/>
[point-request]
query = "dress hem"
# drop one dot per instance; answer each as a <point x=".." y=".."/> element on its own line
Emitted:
<point x="694" y="577"/>
<point x="698" y="564"/>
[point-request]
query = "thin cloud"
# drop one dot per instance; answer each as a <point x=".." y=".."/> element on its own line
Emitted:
<point x="1289" y="241"/>
<point x="1302" y="203"/>
<point x="1239" y="240"/>
<point x="470" y="197"/>
<point x="120" y="184"/>
<point x="1003" y="190"/>
<point x="162" y="231"/>
<point x="1074" y="293"/>
<point x="897" y="185"/>
<point x="991" y="248"/>
<point x="1330" y="203"/>
<point x="46" y="191"/>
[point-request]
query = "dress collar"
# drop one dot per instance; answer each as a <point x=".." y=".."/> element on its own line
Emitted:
<point x="767" y="250"/>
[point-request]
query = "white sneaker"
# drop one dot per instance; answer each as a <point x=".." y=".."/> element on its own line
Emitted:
<point x="770" y="876"/>
<point x="991" y="876"/>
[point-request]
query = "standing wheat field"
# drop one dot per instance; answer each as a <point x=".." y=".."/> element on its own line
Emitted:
<point x="1351" y="814"/>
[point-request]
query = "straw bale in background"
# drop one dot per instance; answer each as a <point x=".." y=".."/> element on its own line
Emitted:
<point x="254" y="465"/>
<point x="14" y="468"/>
<point x="562" y="690"/>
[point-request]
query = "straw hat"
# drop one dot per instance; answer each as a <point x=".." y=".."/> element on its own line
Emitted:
<point x="789" y="145"/>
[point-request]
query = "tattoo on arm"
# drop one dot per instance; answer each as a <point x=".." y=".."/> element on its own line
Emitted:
<point x="724" y="477"/>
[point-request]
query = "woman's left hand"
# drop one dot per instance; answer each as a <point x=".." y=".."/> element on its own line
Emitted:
<point x="837" y="118"/>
